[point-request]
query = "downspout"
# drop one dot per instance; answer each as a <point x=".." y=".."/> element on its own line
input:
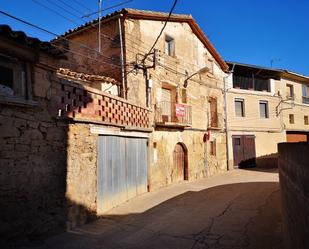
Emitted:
<point x="226" y="118"/>
<point x="123" y="92"/>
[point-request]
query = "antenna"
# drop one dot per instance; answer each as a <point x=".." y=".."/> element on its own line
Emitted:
<point x="272" y="61"/>
<point x="99" y="16"/>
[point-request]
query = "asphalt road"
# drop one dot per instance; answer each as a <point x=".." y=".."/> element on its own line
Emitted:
<point x="240" y="209"/>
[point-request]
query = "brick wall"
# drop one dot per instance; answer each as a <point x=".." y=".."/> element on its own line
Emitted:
<point x="294" y="183"/>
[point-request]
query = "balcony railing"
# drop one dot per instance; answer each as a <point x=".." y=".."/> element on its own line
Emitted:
<point x="306" y="100"/>
<point x="170" y="113"/>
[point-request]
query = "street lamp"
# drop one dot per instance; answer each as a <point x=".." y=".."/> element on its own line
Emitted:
<point x="202" y="70"/>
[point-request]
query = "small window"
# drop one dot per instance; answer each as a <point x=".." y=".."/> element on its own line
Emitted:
<point x="306" y="121"/>
<point x="239" y="108"/>
<point x="115" y="42"/>
<point x="291" y="118"/>
<point x="264" y="109"/>
<point x="305" y="91"/>
<point x="290" y="91"/>
<point x="13" y="79"/>
<point x="169" y="46"/>
<point x="237" y="141"/>
<point x="213" y="148"/>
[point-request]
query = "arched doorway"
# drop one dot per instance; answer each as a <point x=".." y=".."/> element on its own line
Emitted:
<point x="180" y="167"/>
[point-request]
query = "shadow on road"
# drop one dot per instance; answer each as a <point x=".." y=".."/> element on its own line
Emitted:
<point x="243" y="215"/>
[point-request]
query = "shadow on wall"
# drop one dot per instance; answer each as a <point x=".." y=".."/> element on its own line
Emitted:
<point x="263" y="162"/>
<point x="243" y="215"/>
<point x="33" y="170"/>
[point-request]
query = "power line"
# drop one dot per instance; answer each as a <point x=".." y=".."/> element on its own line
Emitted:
<point x="111" y="7"/>
<point x="80" y="4"/>
<point x="54" y="34"/>
<point x="161" y="32"/>
<point x="54" y="11"/>
<point x="62" y="8"/>
<point x="69" y="6"/>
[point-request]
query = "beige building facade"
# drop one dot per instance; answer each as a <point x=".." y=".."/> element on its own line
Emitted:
<point x="180" y="80"/>
<point x="265" y="107"/>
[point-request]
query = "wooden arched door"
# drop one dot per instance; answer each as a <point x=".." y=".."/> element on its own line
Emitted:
<point x="180" y="169"/>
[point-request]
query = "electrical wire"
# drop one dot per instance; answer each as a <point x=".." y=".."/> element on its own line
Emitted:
<point x="80" y="4"/>
<point x="54" y="34"/>
<point x="108" y="8"/>
<point x="161" y="32"/>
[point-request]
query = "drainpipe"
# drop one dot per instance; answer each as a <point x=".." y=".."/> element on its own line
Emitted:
<point x="123" y="93"/>
<point x="226" y="125"/>
<point x="226" y="118"/>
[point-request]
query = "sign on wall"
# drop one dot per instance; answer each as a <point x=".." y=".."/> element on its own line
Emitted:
<point x="180" y="110"/>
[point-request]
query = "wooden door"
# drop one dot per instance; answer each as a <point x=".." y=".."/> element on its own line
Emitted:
<point x="238" y="150"/>
<point x="179" y="171"/>
<point x="249" y="151"/>
<point x="244" y="153"/>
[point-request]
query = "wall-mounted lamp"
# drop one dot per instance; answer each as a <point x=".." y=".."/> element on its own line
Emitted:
<point x="202" y="70"/>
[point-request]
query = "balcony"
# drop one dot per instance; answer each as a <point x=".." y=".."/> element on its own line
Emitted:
<point x="306" y="100"/>
<point x="173" y="114"/>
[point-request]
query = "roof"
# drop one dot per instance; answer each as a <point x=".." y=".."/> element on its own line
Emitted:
<point x="21" y="38"/>
<point x="69" y="74"/>
<point x="280" y="72"/>
<point x="253" y="66"/>
<point x="159" y="16"/>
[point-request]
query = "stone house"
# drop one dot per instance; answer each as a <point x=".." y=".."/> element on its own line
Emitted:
<point x="52" y="126"/>
<point x="181" y="82"/>
<point x="265" y="106"/>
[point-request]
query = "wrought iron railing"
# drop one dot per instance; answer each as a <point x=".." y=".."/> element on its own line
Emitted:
<point x="171" y="112"/>
<point x="305" y="100"/>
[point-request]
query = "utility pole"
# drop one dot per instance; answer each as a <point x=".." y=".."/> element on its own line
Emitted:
<point x="99" y="14"/>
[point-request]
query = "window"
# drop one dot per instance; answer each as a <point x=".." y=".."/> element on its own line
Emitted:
<point x="115" y="42"/>
<point x="264" y="109"/>
<point x="213" y="112"/>
<point x="290" y="91"/>
<point x="237" y="141"/>
<point x="305" y="90"/>
<point x="13" y="79"/>
<point x="213" y="148"/>
<point x="169" y="46"/>
<point x="239" y="108"/>
<point x="249" y="81"/>
<point x="291" y="118"/>
<point x="306" y="121"/>
<point x="6" y="81"/>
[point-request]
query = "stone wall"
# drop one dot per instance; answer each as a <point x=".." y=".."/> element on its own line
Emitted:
<point x="81" y="191"/>
<point x="47" y="166"/>
<point x="294" y="183"/>
<point x="32" y="167"/>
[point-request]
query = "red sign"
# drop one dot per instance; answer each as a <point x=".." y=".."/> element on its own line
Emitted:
<point x="180" y="110"/>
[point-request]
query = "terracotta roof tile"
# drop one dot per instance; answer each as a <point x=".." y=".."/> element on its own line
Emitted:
<point x="67" y="73"/>
<point x="21" y="38"/>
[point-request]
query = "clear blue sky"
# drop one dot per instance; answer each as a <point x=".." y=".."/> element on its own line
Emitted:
<point x="253" y="32"/>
